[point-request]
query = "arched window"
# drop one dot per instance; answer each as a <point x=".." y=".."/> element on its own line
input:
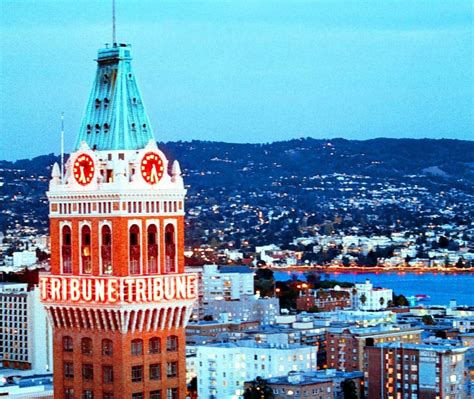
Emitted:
<point x="137" y="347"/>
<point x="86" y="346"/>
<point x="170" y="249"/>
<point x="86" y="260"/>
<point x="152" y="250"/>
<point x="134" y="252"/>
<point x="154" y="345"/>
<point x="172" y="343"/>
<point x="106" y="249"/>
<point x="107" y="347"/>
<point x="66" y="253"/>
<point x="67" y="344"/>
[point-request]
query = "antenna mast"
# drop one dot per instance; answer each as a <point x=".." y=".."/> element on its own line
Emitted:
<point x="113" y="24"/>
<point x="62" y="147"/>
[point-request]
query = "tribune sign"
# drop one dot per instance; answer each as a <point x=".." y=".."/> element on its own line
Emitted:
<point x="117" y="290"/>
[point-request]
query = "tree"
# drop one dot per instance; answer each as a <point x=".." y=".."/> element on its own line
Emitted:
<point x="313" y="277"/>
<point x="443" y="242"/>
<point x="349" y="389"/>
<point x="263" y="273"/>
<point x="428" y="320"/>
<point x="193" y="387"/>
<point x="400" y="300"/>
<point x="259" y="389"/>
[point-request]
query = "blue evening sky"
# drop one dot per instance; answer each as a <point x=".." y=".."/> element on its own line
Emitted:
<point x="244" y="71"/>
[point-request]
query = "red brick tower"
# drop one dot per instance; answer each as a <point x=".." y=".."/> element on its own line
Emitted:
<point x="117" y="295"/>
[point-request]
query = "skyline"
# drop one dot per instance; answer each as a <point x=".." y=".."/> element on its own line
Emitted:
<point x="244" y="72"/>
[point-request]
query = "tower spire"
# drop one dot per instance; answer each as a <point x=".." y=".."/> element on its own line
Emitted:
<point x="62" y="147"/>
<point x="114" y="39"/>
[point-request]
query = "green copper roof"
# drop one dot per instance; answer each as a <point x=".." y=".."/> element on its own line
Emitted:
<point x="115" y="117"/>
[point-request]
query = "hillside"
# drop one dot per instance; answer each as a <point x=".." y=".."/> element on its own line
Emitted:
<point x="241" y="191"/>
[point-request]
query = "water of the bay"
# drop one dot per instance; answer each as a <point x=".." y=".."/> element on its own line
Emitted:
<point x="441" y="288"/>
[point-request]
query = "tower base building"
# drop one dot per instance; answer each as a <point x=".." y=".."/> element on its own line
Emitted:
<point x="117" y="295"/>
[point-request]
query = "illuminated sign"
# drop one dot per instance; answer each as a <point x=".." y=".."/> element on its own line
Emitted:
<point x="118" y="290"/>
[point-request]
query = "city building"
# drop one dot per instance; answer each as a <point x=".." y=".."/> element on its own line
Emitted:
<point x="248" y="308"/>
<point x="226" y="283"/>
<point x="399" y="370"/>
<point x="346" y="346"/>
<point x="24" y="258"/>
<point x="223" y="368"/>
<point x="25" y="335"/>
<point x="321" y="384"/>
<point x="323" y="300"/>
<point x="117" y="294"/>
<point x="368" y="297"/>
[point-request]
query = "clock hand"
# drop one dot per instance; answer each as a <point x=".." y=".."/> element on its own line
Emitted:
<point x="153" y="174"/>
<point x="82" y="177"/>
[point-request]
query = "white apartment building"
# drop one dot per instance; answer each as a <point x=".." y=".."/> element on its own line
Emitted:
<point x="227" y="283"/>
<point x="223" y="368"/>
<point x="24" y="258"/>
<point x="248" y="308"/>
<point x="366" y="297"/>
<point x="25" y="335"/>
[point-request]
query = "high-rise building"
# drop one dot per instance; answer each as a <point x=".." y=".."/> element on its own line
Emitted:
<point x="346" y="345"/>
<point x="398" y="370"/>
<point x="25" y="336"/>
<point x="244" y="361"/>
<point x="117" y="295"/>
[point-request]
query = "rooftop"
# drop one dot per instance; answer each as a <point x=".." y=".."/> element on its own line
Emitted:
<point x="115" y="117"/>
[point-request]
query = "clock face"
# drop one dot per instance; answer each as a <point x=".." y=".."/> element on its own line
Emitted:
<point x="152" y="168"/>
<point x="83" y="169"/>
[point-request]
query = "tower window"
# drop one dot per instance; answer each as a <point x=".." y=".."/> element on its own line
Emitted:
<point x="172" y="393"/>
<point x="107" y="347"/>
<point x="172" y="369"/>
<point x="89" y="128"/>
<point x="137" y="373"/>
<point x="86" y="346"/>
<point x="137" y="347"/>
<point x="152" y="250"/>
<point x="87" y="372"/>
<point x="107" y="374"/>
<point x="155" y="371"/>
<point x="133" y="126"/>
<point x="170" y="249"/>
<point x="106" y="249"/>
<point x="106" y="102"/>
<point x="154" y="345"/>
<point x="67" y="344"/>
<point x="134" y="100"/>
<point x="87" y="394"/>
<point x="155" y="394"/>
<point x="68" y="370"/>
<point x="66" y="253"/>
<point x="144" y="126"/>
<point x="86" y="259"/>
<point x="106" y="127"/>
<point x="97" y="103"/>
<point x="172" y="343"/>
<point x="134" y="249"/>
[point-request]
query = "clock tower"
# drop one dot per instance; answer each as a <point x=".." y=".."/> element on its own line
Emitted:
<point x="117" y="295"/>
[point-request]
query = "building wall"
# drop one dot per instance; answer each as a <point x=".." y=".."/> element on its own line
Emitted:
<point x="25" y="335"/>
<point x="318" y="390"/>
<point x="345" y="349"/>
<point x="245" y="363"/>
<point x="420" y="372"/>
<point x="122" y="360"/>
